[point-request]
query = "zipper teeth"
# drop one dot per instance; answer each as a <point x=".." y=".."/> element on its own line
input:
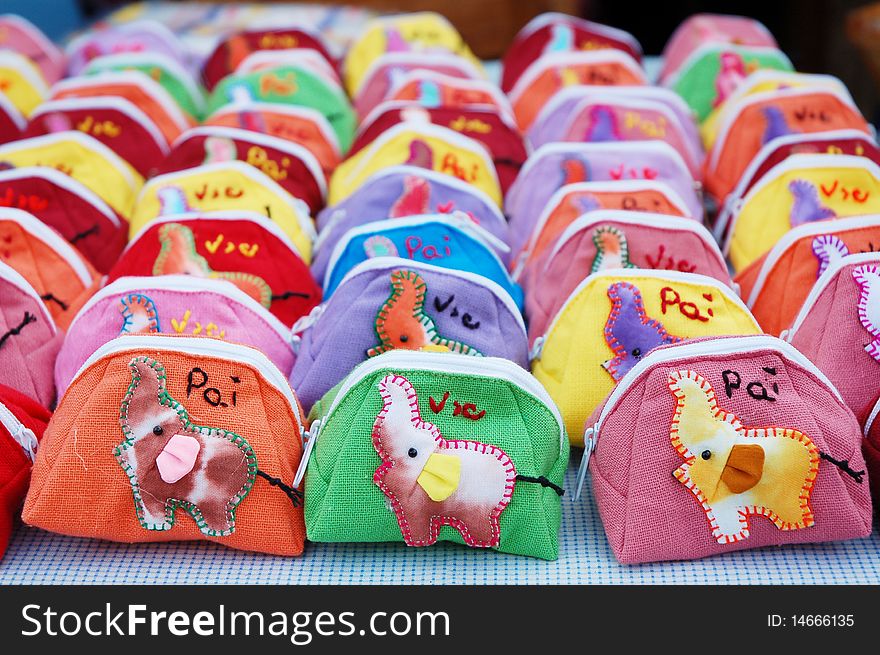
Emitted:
<point x="288" y="147"/>
<point x="824" y="280"/>
<point x="801" y="232"/>
<point x="146" y="58"/>
<point x="500" y="100"/>
<point x="641" y="104"/>
<point x="799" y="162"/>
<point x="427" y="129"/>
<point x="293" y="110"/>
<point x="672" y="79"/>
<point x="682" y="223"/>
<point x="33" y="76"/>
<point x="543" y="20"/>
<point x="304" y="222"/>
<point x="721" y="346"/>
<point x="15" y="428"/>
<point x="621" y="147"/>
<point x="771" y="147"/>
<point x="13" y="113"/>
<point x="186" y="283"/>
<point x="11" y="275"/>
<point x="475" y="231"/>
<point x="398" y="262"/>
<point x="47" y="235"/>
<point x="617" y="273"/>
<point x="495" y="367"/>
<point x="120" y="104"/>
<point x="755" y="99"/>
<point x="290" y="57"/>
<point x="155" y="90"/>
<point x="452" y="61"/>
<point x="67" y="183"/>
<point x="873" y="417"/>
<point x="572" y="59"/>
<point x="117" y="163"/>
<point x="262" y="221"/>
<point x="198" y="346"/>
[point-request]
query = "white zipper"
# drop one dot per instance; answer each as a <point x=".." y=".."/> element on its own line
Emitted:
<point x="607" y="31"/>
<point x="873" y="417"/>
<point x="685" y="350"/>
<point x="20" y="433"/>
<point x="87" y="142"/>
<point x="116" y="103"/>
<point x="758" y="160"/>
<point x="375" y="263"/>
<point x="145" y="59"/>
<point x="822" y="283"/>
<point x="638" y="104"/>
<point x="494" y="367"/>
<point x="799" y="162"/>
<point x="502" y="104"/>
<point x="622" y="148"/>
<point x="454" y="221"/>
<point x="622" y="273"/>
<point x="187" y="284"/>
<point x="416" y="59"/>
<point x="745" y="50"/>
<point x="431" y="176"/>
<point x="618" y="186"/>
<point x="285" y="146"/>
<point x="757" y="98"/>
<point x="11" y="275"/>
<point x="51" y="238"/>
<point x="14" y="114"/>
<point x="52" y="51"/>
<point x="199" y="346"/>
<point x="264" y="222"/>
<point x="67" y="183"/>
<point x="305" y="58"/>
<point x="570" y="59"/>
<point x="297" y="206"/>
<point x="26" y="68"/>
<point x="398" y="105"/>
<point x="425" y="129"/>
<point x="155" y="90"/>
<point x="800" y="232"/>
<point x="313" y="115"/>
<point x="679" y="223"/>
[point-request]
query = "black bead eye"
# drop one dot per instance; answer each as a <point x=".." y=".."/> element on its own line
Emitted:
<point x="403" y="338"/>
<point x="706" y="454"/>
<point x="413" y="452"/>
<point x="157" y="430"/>
<point x="637" y="352"/>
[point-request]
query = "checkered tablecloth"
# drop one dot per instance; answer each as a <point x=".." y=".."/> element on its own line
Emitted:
<point x="37" y="557"/>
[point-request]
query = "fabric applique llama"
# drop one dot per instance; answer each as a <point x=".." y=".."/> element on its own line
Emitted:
<point x="867" y="277"/>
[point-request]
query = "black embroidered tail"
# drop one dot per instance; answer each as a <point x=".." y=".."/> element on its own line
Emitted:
<point x="295" y="495"/>
<point x="85" y="233"/>
<point x="11" y="332"/>
<point x="48" y="296"/>
<point x="543" y="481"/>
<point x="843" y="465"/>
<point x="289" y="294"/>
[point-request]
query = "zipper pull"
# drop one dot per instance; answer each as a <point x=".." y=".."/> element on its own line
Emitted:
<point x="520" y="265"/>
<point x="536" y="349"/>
<point x="785" y="335"/>
<point x="302" y="324"/>
<point x="28" y="441"/>
<point x="590" y="436"/>
<point x="309" y="436"/>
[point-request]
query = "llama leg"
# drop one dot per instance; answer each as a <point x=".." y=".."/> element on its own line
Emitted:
<point x="214" y="516"/>
<point x="479" y="528"/>
<point x="155" y="511"/>
<point x="416" y="528"/>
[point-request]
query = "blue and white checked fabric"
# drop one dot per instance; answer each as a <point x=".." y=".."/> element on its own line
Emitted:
<point x="37" y="557"/>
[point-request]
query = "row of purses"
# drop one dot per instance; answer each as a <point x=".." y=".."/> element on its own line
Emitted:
<point x="704" y="447"/>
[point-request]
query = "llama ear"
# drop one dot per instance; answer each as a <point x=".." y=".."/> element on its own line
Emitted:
<point x="400" y="400"/>
<point x="695" y="411"/>
<point x="147" y="382"/>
